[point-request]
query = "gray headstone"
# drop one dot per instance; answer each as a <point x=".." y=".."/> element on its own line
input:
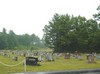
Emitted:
<point x="80" y="57"/>
<point x="67" y="56"/>
<point x="90" y="58"/>
<point x="98" y="56"/>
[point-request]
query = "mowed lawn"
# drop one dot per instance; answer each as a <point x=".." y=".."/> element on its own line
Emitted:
<point x="59" y="64"/>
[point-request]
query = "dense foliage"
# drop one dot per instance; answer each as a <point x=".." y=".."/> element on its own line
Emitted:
<point x="66" y="33"/>
<point x="25" y="41"/>
<point x="97" y="16"/>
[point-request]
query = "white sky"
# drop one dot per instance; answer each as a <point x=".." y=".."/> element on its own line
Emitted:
<point x="30" y="16"/>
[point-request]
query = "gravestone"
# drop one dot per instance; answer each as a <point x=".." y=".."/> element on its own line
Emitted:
<point x="94" y="54"/>
<point x="31" y="61"/>
<point x="76" y="54"/>
<point x="56" y="55"/>
<point x="36" y="53"/>
<point x="28" y="54"/>
<point x="90" y="58"/>
<point x="5" y="54"/>
<point x="15" y="58"/>
<point x="79" y="56"/>
<point x="50" y="56"/>
<point x="32" y="55"/>
<point x="41" y="57"/>
<point x="1" y="53"/>
<point x="59" y="54"/>
<point x="98" y="56"/>
<point x="67" y="56"/>
<point x="8" y="56"/>
<point x="24" y="54"/>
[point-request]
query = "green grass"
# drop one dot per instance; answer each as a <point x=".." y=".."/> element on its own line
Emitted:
<point x="58" y="65"/>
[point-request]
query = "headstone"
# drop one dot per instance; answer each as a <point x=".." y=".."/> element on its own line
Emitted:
<point x="50" y="57"/>
<point x="36" y="54"/>
<point x="1" y="53"/>
<point x="31" y="61"/>
<point x="28" y="54"/>
<point x="79" y="57"/>
<point x="76" y="54"/>
<point x="32" y="55"/>
<point x="59" y="54"/>
<point x="98" y="56"/>
<point x="90" y="58"/>
<point x="5" y="54"/>
<point x="56" y="55"/>
<point x="41" y="57"/>
<point x="8" y="55"/>
<point x="24" y="54"/>
<point x="67" y="56"/>
<point x="94" y="54"/>
<point x="15" y="58"/>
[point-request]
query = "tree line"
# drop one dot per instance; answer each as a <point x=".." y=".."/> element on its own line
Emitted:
<point x="66" y="33"/>
<point x="12" y="41"/>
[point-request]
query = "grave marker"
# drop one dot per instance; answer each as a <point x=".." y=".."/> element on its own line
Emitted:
<point x="15" y="58"/>
<point x="31" y="61"/>
<point x="67" y="56"/>
<point x="98" y="56"/>
<point x="90" y="58"/>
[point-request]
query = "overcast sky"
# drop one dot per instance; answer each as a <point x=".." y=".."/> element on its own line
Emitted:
<point x="30" y="16"/>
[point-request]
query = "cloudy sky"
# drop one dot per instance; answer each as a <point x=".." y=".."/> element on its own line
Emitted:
<point x="30" y="16"/>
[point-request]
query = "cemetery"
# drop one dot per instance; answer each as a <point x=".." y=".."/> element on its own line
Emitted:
<point x="61" y="61"/>
<point x="70" y="44"/>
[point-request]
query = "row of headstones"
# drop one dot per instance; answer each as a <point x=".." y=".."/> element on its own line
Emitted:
<point x="50" y="56"/>
<point x="7" y="54"/>
<point x="16" y="54"/>
<point x="90" y="57"/>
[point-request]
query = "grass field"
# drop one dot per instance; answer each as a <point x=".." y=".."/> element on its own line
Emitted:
<point x="57" y="65"/>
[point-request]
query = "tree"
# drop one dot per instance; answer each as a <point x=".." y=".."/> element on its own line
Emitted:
<point x="12" y="40"/>
<point x="68" y="33"/>
<point x="3" y="41"/>
<point x="97" y="16"/>
<point x="4" y="31"/>
<point x="56" y="33"/>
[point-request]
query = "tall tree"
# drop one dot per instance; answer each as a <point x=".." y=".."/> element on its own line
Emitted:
<point x="12" y="40"/>
<point x="3" y="41"/>
<point x="4" y="31"/>
<point x="67" y="33"/>
<point x="97" y="16"/>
